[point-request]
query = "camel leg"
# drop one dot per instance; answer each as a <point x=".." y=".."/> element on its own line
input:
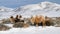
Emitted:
<point x="43" y="24"/>
<point x="32" y="22"/>
<point x="36" y="25"/>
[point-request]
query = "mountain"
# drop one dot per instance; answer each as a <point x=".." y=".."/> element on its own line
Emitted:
<point x="40" y="6"/>
<point x="43" y="8"/>
<point x="2" y="8"/>
<point x="5" y="12"/>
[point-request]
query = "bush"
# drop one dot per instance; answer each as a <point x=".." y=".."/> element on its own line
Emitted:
<point x="4" y="27"/>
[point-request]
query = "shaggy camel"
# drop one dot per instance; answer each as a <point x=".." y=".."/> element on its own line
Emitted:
<point x="38" y="19"/>
<point x="12" y="19"/>
<point x="17" y="18"/>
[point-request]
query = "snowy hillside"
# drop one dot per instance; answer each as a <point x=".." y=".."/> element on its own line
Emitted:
<point x="45" y="8"/>
<point x="5" y="12"/>
<point x="33" y="30"/>
<point x="2" y="8"/>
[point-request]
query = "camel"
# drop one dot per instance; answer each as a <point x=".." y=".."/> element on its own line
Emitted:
<point x="21" y="19"/>
<point x="32" y="20"/>
<point x="17" y="19"/>
<point x="12" y="19"/>
<point x="38" y="19"/>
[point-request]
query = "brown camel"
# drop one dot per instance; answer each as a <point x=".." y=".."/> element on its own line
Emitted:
<point x="38" y="19"/>
<point x="17" y="18"/>
<point x="12" y="19"/>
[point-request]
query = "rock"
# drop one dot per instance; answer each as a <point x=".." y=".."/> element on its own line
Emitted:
<point x="26" y="25"/>
<point x="1" y="21"/>
<point x="50" y="21"/>
<point x="5" y="21"/>
<point x="54" y="21"/>
<point x="27" y="20"/>
<point x="4" y="27"/>
<point x="18" y="24"/>
<point x="57" y="24"/>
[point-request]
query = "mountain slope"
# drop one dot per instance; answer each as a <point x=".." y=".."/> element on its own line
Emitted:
<point x="44" y="8"/>
<point x="2" y="8"/>
<point x="5" y="12"/>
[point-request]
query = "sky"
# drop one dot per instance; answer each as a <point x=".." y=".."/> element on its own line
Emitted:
<point x="18" y="3"/>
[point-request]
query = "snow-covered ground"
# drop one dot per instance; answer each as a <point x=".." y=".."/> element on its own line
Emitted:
<point x="43" y="8"/>
<point x="33" y="30"/>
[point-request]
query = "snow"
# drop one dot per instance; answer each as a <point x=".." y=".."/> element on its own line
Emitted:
<point x="33" y="30"/>
<point x="44" y="8"/>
